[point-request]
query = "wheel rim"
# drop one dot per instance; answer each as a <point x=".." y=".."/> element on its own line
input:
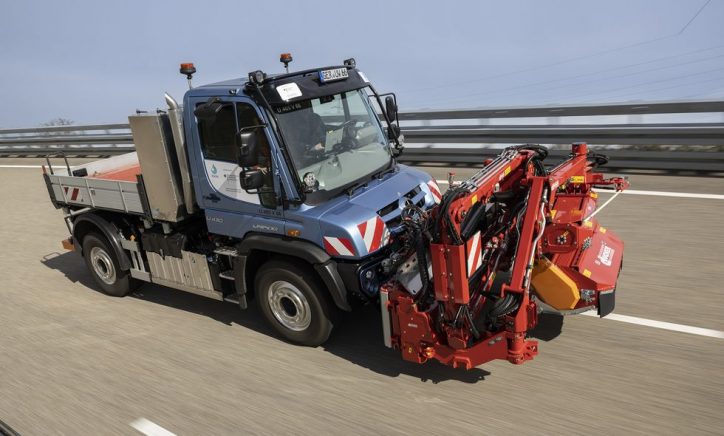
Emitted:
<point x="103" y="265"/>
<point x="289" y="306"/>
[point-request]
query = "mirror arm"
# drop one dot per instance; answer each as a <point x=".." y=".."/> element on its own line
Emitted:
<point x="384" y="113"/>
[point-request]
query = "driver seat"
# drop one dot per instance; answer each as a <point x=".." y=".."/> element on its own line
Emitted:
<point x="317" y="129"/>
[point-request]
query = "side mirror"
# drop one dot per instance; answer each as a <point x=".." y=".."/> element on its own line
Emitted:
<point x="251" y="179"/>
<point x="393" y="131"/>
<point x="391" y="108"/>
<point x="248" y="143"/>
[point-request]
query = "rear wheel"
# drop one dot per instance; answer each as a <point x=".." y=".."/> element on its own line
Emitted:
<point x="104" y="267"/>
<point x="294" y="302"/>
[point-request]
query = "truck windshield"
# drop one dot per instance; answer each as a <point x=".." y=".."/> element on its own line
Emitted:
<point x="337" y="138"/>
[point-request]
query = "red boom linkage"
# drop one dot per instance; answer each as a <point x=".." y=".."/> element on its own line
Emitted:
<point x="514" y="220"/>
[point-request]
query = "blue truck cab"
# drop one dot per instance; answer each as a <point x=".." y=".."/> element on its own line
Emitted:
<point x="288" y="190"/>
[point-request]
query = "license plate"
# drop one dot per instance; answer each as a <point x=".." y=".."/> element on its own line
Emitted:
<point x="332" y="75"/>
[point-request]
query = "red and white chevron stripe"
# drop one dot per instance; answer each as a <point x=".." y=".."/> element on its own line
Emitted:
<point x="338" y="246"/>
<point x="74" y="194"/>
<point x="435" y="190"/>
<point x="374" y="234"/>
<point x="475" y="253"/>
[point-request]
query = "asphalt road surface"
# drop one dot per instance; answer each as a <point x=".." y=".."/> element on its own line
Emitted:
<point x="73" y="361"/>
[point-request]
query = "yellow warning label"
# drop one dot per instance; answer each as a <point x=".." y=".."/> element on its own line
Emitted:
<point x="587" y="273"/>
<point x="507" y="171"/>
<point x="474" y="200"/>
<point x="594" y="195"/>
<point x="587" y="224"/>
<point x="553" y="213"/>
<point x="602" y="229"/>
<point x="577" y="179"/>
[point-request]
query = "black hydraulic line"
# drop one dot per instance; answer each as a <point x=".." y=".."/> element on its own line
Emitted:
<point x="421" y="251"/>
<point x="473" y="329"/>
<point x="539" y="149"/>
<point x="599" y="160"/>
<point x="473" y="221"/>
<point x="504" y="306"/>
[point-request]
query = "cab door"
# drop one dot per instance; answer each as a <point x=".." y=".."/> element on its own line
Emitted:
<point x="229" y="209"/>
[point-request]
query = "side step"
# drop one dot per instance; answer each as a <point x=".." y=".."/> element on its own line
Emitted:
<point x="227" y="251"/>
<point x="228" y="275"/>
<point x="233" y="298"/>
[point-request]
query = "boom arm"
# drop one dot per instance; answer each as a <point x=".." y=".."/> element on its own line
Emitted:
<point x="516" y="222"/>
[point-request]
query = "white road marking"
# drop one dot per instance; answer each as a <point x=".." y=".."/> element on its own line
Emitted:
<point x="662" y="325"/>
<point x="653" y="193"/>
<point x="21" y="166"/>
<point x="650" y="322"/>
<point x="670" y="194"/>
<point x="149" y="428"/>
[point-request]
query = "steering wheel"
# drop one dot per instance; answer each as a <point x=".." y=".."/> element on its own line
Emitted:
<point x="347" y="143"/>
<point x="315" y="153"/>
<point x="346" y="124"/>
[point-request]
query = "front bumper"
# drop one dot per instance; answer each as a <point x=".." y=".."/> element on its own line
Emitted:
<point x="364" y="278"/>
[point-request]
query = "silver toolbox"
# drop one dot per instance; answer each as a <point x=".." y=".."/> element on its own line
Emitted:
<point x="159" y="165"/>
<point x="190" y="273"/>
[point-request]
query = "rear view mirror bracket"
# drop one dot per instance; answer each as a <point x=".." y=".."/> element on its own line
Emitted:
<point x="209" y="110"/>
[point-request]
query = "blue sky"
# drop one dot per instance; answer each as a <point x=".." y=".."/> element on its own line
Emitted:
<point x="97" y="61"/>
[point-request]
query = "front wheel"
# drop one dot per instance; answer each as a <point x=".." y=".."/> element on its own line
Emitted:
<point x="103" y="265"/>
<point x="294" y="302"/>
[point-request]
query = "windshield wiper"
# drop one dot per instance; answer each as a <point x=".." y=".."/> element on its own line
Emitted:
<point x="362" y="183"/>
<point x="391" y="169"/>
<point x="351" y="190"/>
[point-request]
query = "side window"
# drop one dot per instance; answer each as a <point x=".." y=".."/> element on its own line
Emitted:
<point x="217" y="135"/>
<point x="218" y="144"/>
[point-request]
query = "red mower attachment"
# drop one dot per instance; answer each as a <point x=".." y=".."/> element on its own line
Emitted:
<point x="514" y="239"/>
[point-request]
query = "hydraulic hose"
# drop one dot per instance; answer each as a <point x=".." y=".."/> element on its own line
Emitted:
<point x="504" y="306"/>
<point x="599" y="160"/>
<point x="421" y="251"/>
<point x="540" y="150"/>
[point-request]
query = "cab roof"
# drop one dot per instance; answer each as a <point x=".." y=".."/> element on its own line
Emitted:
<point x="308" y="81"/>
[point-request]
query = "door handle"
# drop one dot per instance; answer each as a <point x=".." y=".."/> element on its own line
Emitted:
<point x="212" y="197"/>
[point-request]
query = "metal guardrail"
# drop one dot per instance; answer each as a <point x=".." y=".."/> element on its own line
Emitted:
<point x="674" y="107"/>
<point x="659" y="161"/>
<point x="435" y="144"/>
<point x="98" y="140"/>
<point x="619" y="134"/>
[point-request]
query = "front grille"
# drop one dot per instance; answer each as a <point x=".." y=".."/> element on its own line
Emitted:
<point x="390" y="214"/>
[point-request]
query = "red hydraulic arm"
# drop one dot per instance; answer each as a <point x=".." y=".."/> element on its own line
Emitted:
<point x="498" y="221"/>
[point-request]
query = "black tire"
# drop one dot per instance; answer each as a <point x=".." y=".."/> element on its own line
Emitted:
<point x="282" y="287"/>
<point x="103" y="265"/>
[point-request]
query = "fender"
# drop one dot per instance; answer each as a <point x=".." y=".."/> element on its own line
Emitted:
<point x="108" y="230"/>
<point x="323" y="264"/>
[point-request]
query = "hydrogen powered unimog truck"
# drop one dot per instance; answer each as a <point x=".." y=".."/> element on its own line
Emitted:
<point x="286" y="188"/>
